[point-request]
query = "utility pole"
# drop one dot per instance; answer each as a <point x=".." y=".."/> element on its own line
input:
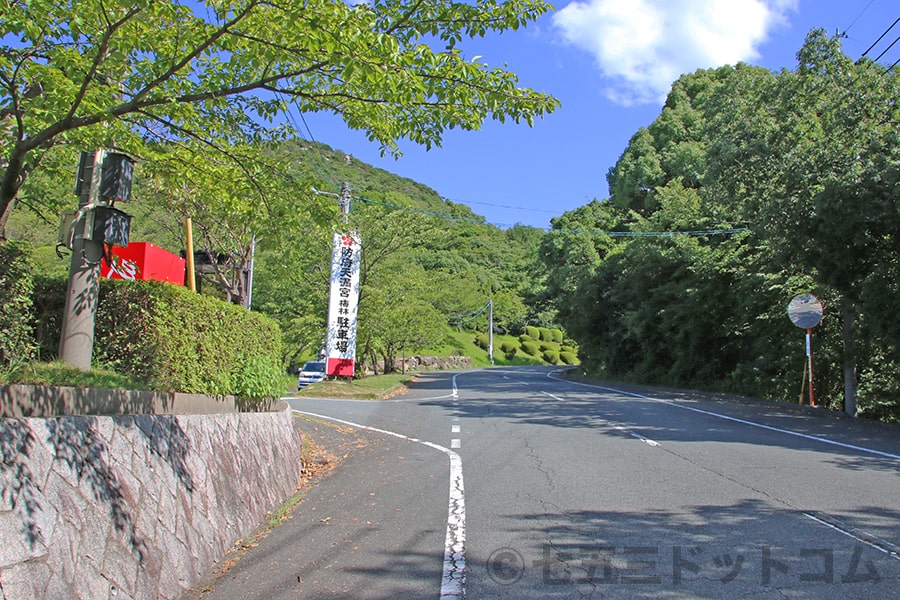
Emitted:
<point x="491" y="330"/>
<point x="103" y="176"/>
<point x="76" y="344"/>
<point x="344" y="201"/>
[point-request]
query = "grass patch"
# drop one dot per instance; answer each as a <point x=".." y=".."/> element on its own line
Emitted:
<point x="376" y="387"/>
<point x="58" y="373"/>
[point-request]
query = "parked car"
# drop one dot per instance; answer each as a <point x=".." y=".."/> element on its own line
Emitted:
<point x="313" y="371"/>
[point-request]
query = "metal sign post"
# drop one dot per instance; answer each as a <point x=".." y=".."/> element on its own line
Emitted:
<point x="805" y="311"/>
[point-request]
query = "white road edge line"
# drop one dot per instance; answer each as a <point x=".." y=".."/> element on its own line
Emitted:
<point x="647" y="441"/>
<point x="453" y="578"/>
<point x="735" y="419"/>
<point x="851" y="535"/>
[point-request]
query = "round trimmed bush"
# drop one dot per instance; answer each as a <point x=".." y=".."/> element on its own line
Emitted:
<point x="569" y="358"/>
<point x="508" y="346"/>
<point x="551" y="357"/>
<point x="509" y="349"/>
<point x="530" y="348"/>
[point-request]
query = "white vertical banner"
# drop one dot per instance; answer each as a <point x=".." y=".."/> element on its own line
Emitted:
<point x="340" y="346"/>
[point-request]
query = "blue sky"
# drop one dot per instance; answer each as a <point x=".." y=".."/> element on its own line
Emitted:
<point x="610" y="63"/>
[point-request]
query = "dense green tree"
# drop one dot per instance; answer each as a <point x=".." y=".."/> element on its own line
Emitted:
<point x="93" y="74"/>
<point x="820" y="158"/>
<point x="571" y="252"/>
<point x="801" y="167"/>
<point x="397" y="316"/>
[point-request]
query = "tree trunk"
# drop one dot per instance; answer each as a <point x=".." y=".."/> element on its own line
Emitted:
<point x="4" y="217"/>
<point x="848" y="326"/>
<point x="10" y="183"/>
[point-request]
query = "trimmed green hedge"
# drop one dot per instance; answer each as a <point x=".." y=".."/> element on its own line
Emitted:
<point x="532" y="332"/>
<point x="16" y="288"/>
<point x="182" y="341"/>
<point x="482" y="340"/>
<point x="49" y="303"/>
<point x="508" y="346"/>
<point x="551" y="356"/>
<point x="509" y="349"/>
<point x="173" y="339"/>
<point x="569" y="358"/>
<point x="530" y="348"/>
<point x="556" y="335"/>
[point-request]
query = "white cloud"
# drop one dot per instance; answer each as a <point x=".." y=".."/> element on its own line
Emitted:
<point x="642" y="46"/>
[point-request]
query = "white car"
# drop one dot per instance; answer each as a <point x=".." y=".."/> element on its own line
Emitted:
<point x="312" y="372"/>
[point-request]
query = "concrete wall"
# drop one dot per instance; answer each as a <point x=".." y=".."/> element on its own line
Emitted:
<point x="138" y="506"/>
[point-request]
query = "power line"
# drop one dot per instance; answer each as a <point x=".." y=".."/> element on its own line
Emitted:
<point x="422" y="212"/>
<point x="897" y="39"/>
<point x="857" y="19"/>
<point x="886" y="31"/>
<point x="311" y="138"/>
<point x="624" y="234"/>
<point x="636" y="234"/>
<point x="467" y="202"/>
<point x="469" y="316"/>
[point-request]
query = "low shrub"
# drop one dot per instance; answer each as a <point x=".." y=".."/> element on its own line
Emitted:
<point x="49" y="303"/>
<point x="544" y="334"/>
<point x="551" y="356"/>
<point x="508" y="346"/>
<point x="532" y="332"/>
<point x="525" y="338"/>
<point x="530" y="348"/>
<point x="17" y="344"/>
<point x="556" y="335"/>
<point x="569" y="358"/>
<point x="482" y="340"/>
<point x="177" y="340"/>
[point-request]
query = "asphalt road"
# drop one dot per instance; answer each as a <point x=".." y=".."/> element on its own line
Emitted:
<point x="515" y="483"/>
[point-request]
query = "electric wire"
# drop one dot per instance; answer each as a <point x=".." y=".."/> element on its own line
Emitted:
<point x="844" y="34"/>
<point x="875" y="43"/>
<point x="897" y="39"/>
<point x="469" y="316"/>
<point x="623" y="234"/>
<point x="310" y="138"/>
<point x="467" y="202"/>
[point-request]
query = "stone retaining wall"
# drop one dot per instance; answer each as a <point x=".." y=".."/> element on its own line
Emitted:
<point x="135" y="507"/>
<point x="423" y="363"/>
<point x="53" y="401"/>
